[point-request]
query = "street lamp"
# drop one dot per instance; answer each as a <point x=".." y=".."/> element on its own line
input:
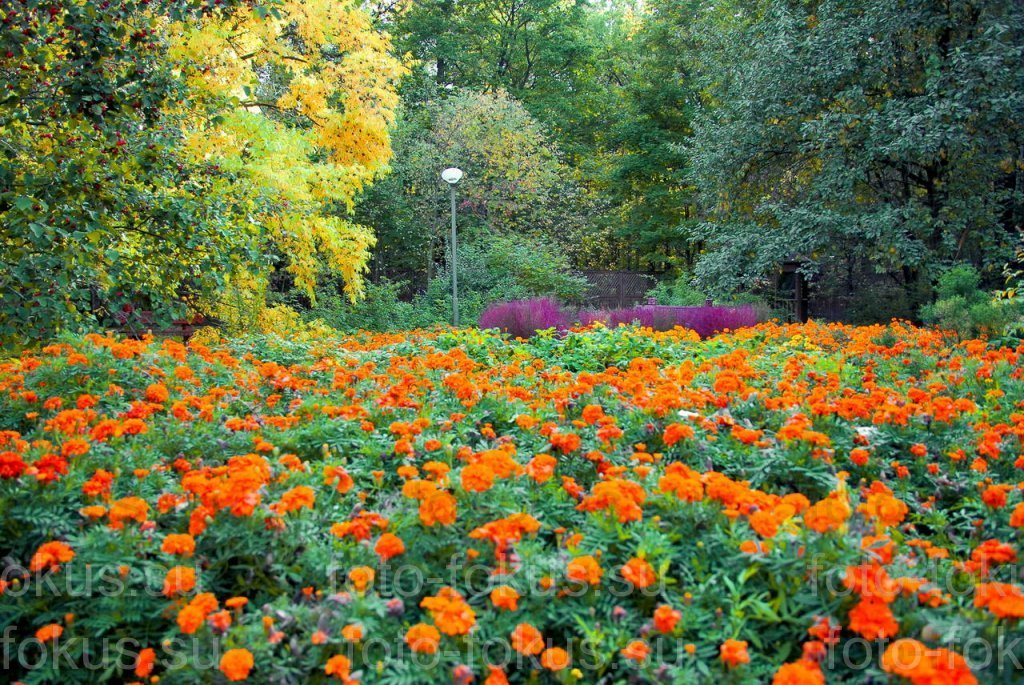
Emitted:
<point x="452" y="176"/>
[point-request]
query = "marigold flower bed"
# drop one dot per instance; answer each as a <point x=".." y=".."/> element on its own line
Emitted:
<point x="785" y="504"/>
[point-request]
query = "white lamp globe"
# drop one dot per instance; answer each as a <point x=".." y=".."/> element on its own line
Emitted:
<point x="451" y="175"/>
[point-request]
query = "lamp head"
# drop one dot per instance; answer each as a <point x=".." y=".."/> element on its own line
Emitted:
<point x="451" y="175"/>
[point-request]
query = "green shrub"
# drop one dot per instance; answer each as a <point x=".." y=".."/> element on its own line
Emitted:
<point x="962" y="306"/>
<point x="491" y="269"/>
<point x="680" y="292"/>
<point x="677" y="292"/>
<point x="381" y="309"/>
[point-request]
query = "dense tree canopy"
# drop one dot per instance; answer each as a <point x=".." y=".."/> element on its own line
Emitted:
<point x="171" y="156"/>
<point x="96" y="196"/>
<point x="150" y="149"/>
<point x="302" y="101"/>
<point x="874" y="132"/>
<point x="515" y="183"/>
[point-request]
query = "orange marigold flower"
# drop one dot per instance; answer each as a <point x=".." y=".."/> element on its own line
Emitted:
<point x="872" y="619"/>
<point x="389" y="546"/>
<point x="882" y="507"/>
<point x="205" y="601"/>
<point x="438" y="508"/>
<point x="803" y="672"/>
<point x="637" y="650"/>
<point x="179" y="543"/>
<point x="666" y="618"/>
<point x="49" y="632"/>
<point x="871" y="580"/>
<point x="733" y="653"/>
<point x="353" y="632"/>
<point x="675" y="432"/>
<point x="297" y="498"/>
<point x="1017" y="517"/>
<point x="638" y="573"/>
<point x="157" y="392"/>
<point x="505" y="597"/>
<point x="824" y="630"/>
<point x="339" y="666"/>
<point x="144" y="662"/>
<point x="682" y="481"/>
<point x="1004" y="600"/>
<point x="437" y="469"/>
<point x="554" y="659"/>
<point x="361" y="577"/>
<point x="912" y="660"/>
<point x="859" y="456"/>
<point x="11" y="465"/>
<point x="179" y="580"/>
<point x="906" y="657"/>
<point x="527" y="640"/>
<point x="451" y="613"/>
<point x="221" y="621"/>
<point x="592" y="413"/>
<point x="190" y="619"/>
<point x="128" y="509"/>
<point x="496" y="676"/>
<point x="50" y="556"/>
<point x="74" y="447"/>
<point x="565" y="442"/>
<point x="764" y="523"/>
<point x="584" y="569"/>
<point x="623" y="496"/>
<point x="728" y="381"/>
<point x="423" y="638"/>
<point x="407" y="471"/>
<point x="236" y="664"/>
<point x="477" y="478"/>
<point x="338" y="476"/>
<point x="541" y="468"/>
<point x="829" y="514"/>
<point x="995" y="495"/>
<point x="236" y="602"/>
<point x="992" y="552"/>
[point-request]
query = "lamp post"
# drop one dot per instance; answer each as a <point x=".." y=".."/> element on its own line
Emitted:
<point x="452" y="176"/>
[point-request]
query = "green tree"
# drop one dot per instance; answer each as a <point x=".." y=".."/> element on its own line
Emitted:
<point x="875" y="134"/>
<point x="138" y="167"/>
<point x="646" y="169"/>
<point x="97" y="201"/>
<point x="516" y="183"/>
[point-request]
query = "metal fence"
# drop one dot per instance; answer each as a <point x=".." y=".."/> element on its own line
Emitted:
<point x="613" y="289"/>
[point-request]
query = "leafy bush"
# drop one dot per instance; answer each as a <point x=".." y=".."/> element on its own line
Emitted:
<point x="382" y="309"/>
<point x="523" y="318"/>
<point x="963" y="306"/>
<point x="705" y="321"/>
<point x="508" y="267"/>
<point x="677" y="292"/>
<point x="491" y="269"/>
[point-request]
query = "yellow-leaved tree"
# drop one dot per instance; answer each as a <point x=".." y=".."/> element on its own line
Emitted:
<point x="294" y="104"/>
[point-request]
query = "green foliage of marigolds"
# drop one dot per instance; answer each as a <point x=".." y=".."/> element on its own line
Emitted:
<point x="285" y="462"/>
